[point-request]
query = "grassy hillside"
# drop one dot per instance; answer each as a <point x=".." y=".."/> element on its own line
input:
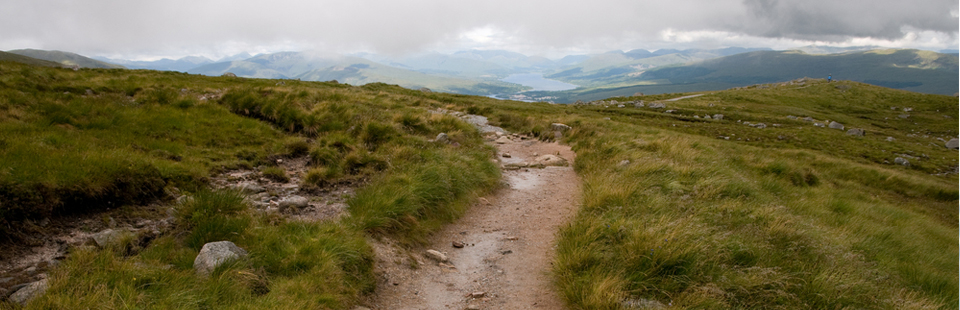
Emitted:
<point x="678" y="209"/>
<point x="138" y="135"/>
<point x="4" y="56"/>
<point x="66" y="58"/>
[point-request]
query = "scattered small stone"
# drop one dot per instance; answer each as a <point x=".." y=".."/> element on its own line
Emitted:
<point x="442" y="138"/>
<point x="506" y="155"/>
<point x="473" y="307"/>
<point x="835" y="125"/>
<point x="855" y="132"/>
<point x="624" y="163"/>
<point x="791" y="117"/>
<point x="436" y="255"/>
<point x="891" y="139"/>
<point x="477" y="294"/>
<point x="819" y="125"/>
<point x="512" y="238"/>
<point x="903" y="116"/>
<point x="458" y="244"/>
<point x="505" y="252"/>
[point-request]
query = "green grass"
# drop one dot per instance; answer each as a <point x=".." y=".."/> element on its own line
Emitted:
<point x="142" y="133"/>
<point x="790" y="216"/>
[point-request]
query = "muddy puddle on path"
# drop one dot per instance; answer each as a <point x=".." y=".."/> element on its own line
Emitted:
<point x="508" y="243"/>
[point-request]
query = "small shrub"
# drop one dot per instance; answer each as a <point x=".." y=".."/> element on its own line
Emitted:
<point x="298" y="148"/>
<point x="213" y="216"/>
<point x="323" y="156"/>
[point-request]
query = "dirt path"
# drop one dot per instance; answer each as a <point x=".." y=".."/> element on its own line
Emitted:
<point x="508" y="237"/>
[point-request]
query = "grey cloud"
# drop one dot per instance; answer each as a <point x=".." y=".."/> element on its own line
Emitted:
<point x="838" y="20"/>
<point x="389" y="26"/>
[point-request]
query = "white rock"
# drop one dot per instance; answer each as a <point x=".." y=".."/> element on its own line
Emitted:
<point x="436" y="255"/>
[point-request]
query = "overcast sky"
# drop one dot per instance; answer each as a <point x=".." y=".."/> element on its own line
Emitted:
<point x="173" y="28"/>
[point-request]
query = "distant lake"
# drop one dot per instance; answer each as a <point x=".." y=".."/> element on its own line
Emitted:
<point x="537" y="81"/>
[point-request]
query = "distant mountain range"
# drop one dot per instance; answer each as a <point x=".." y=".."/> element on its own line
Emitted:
<point x="481" y="72"/>
<point x="913" y="70"/>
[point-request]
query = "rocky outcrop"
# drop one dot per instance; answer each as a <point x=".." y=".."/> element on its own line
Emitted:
<point x="229" y="74"/>
<point x="901" y="161"/>
<point x="658" y="105"/>
<point x="214" y="254"/>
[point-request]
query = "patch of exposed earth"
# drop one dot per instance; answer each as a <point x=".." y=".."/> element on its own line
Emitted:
<point x="52" y="239"/>
<point x="499" y="254"/>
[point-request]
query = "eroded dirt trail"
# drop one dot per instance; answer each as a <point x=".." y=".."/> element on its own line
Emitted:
<point x="508" y="242"/>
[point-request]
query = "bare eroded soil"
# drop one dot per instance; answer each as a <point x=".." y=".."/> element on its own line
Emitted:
<point x="508" y="242"/>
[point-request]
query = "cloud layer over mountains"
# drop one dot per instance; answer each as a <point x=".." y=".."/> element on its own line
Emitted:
<point x="182" y="27"/>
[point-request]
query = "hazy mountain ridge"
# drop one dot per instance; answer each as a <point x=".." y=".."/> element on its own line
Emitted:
<point x="66" y="58"/>
<point x="4" y="56"/>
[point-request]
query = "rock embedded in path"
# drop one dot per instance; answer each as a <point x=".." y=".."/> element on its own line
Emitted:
<point x="28" y="292"/>
<point x="108" y="237"/>
<point x="457" y="244"/>
<point x="551" y="160"/>
<point x="214" y="254"/>
<point x="436" y="255"/>
<point x="503" y="140"/>
<point x="298" y="202"/>
<point x="953" y="144"/>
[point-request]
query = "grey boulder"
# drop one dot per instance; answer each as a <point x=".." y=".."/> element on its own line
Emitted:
<point x="214" y="254"/>
<point x="953" y="144"/>
<point x="835" y="125"/>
